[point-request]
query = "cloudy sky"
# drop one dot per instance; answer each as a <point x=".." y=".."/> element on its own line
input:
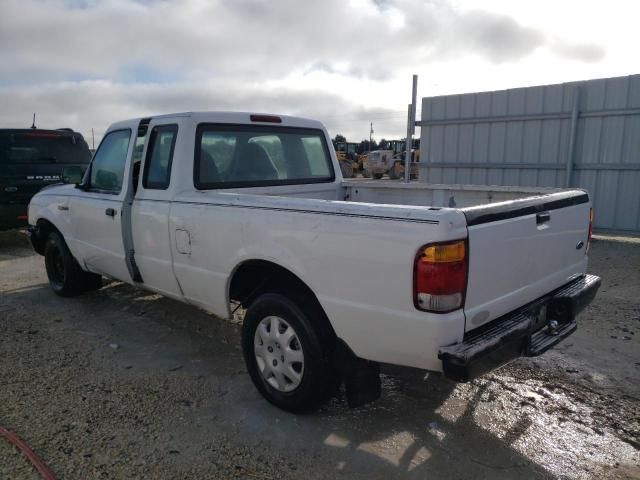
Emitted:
<point x="87" y="63"/>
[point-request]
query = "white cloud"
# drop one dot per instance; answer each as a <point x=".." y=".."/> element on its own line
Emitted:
<point x="87" y="63"/>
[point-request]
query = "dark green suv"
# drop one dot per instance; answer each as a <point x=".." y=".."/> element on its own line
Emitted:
<point x="30" y="159"/>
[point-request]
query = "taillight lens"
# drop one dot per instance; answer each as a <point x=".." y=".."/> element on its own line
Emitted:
<point x="440" y="276"/>
<point x="586" y="251"/>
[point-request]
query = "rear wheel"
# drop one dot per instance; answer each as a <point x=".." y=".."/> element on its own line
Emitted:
<point x="286" y="354"/>
<point x="66" y="277"/>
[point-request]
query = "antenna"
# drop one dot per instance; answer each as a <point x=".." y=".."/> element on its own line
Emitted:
<point x="33" y="125"/>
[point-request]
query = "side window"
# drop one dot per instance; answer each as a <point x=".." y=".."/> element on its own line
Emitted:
<point x="157" y="166"/>
<point x="137" y="150"/>
<point x="107" y="168"/>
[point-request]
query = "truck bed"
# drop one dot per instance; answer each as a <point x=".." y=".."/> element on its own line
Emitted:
<point x="393" y="192"/>
<point x="435" y="195"/>
<point x="522" y="242"/>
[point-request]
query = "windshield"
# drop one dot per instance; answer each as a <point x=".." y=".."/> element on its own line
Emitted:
<point x="42" y="147"/>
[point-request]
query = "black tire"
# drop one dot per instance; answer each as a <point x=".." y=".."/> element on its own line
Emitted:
<point x="347" y="169"/>
<point x="66" y="277"/>
<point x="318" y="376"/>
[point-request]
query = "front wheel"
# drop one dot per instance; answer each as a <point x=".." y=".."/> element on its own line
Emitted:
<point x="286" y="358"/>
<point x="66" y="278"/>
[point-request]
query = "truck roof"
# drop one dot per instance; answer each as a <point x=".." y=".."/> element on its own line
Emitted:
<point x="242" y="118"/>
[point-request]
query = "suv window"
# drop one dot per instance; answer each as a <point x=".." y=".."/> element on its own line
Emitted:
<point x="157" y="167"/>
<point x="229" y="156"/>
<point x="43" y="147"/>
<point x="107" y="168"/>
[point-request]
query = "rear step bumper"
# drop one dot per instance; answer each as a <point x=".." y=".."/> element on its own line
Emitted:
<point x="528" y="331"/>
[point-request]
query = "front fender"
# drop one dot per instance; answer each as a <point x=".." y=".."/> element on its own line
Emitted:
<point x="49" y="210"/>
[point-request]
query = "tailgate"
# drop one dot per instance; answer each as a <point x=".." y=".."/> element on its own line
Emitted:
<point x="523" y="249"/>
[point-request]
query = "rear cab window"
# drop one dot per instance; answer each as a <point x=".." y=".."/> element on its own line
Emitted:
<point x="229" y="156"/>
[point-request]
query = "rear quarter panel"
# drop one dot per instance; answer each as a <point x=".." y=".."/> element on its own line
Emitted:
<point x="359" y="267"/>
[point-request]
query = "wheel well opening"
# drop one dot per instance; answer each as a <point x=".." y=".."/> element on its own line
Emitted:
<point x="43" y="229"/>
<point x="255" y="277"/>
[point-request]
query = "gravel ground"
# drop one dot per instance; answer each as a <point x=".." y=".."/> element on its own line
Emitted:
<point x="122" y="383"/>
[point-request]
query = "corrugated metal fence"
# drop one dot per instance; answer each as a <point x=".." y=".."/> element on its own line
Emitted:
<point x="581" y="134"/>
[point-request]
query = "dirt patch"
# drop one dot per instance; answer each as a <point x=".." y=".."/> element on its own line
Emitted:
<point x="14" y="243"/>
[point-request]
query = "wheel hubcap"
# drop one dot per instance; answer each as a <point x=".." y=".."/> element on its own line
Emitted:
<point x="278" y="354"/>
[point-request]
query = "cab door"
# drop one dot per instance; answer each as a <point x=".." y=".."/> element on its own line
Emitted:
<point x="151" y="207"/>
<point x="96" y="207"/>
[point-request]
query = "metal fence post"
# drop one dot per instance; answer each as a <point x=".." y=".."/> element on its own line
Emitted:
<point x="411" y="128"/>
<point x="575" y="113"/>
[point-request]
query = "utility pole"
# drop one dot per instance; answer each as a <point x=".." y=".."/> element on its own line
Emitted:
<point x="370" y="136"/>
<point x="93" y="141"/>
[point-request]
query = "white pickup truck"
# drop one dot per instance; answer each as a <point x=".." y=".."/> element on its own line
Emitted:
<point x="221" y="210"/>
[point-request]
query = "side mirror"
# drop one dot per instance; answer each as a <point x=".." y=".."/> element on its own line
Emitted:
<point x="72" y="174"/>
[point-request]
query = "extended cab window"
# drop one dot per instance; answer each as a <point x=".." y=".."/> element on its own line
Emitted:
<point x="229" y="156"/>
<point x="107" y="168"/>
<point x="157" y="167"/>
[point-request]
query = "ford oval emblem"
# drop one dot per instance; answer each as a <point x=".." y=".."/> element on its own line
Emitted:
<point x="10" y="189"/>
<point x="579" y="245"/>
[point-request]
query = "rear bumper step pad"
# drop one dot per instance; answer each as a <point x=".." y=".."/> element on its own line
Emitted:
<point x="528" y="331"/>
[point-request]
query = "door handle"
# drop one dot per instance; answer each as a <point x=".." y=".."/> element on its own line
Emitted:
<point x="111" y="212"/>
<point x="542" y="217"/>
<point x="63" y="207"/>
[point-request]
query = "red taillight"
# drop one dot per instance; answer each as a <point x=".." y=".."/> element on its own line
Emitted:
<point x="22" y="217"/>
<point x="586" y="250"/>
<point x="440" y="276"/>
<point x="266" y="118"/>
